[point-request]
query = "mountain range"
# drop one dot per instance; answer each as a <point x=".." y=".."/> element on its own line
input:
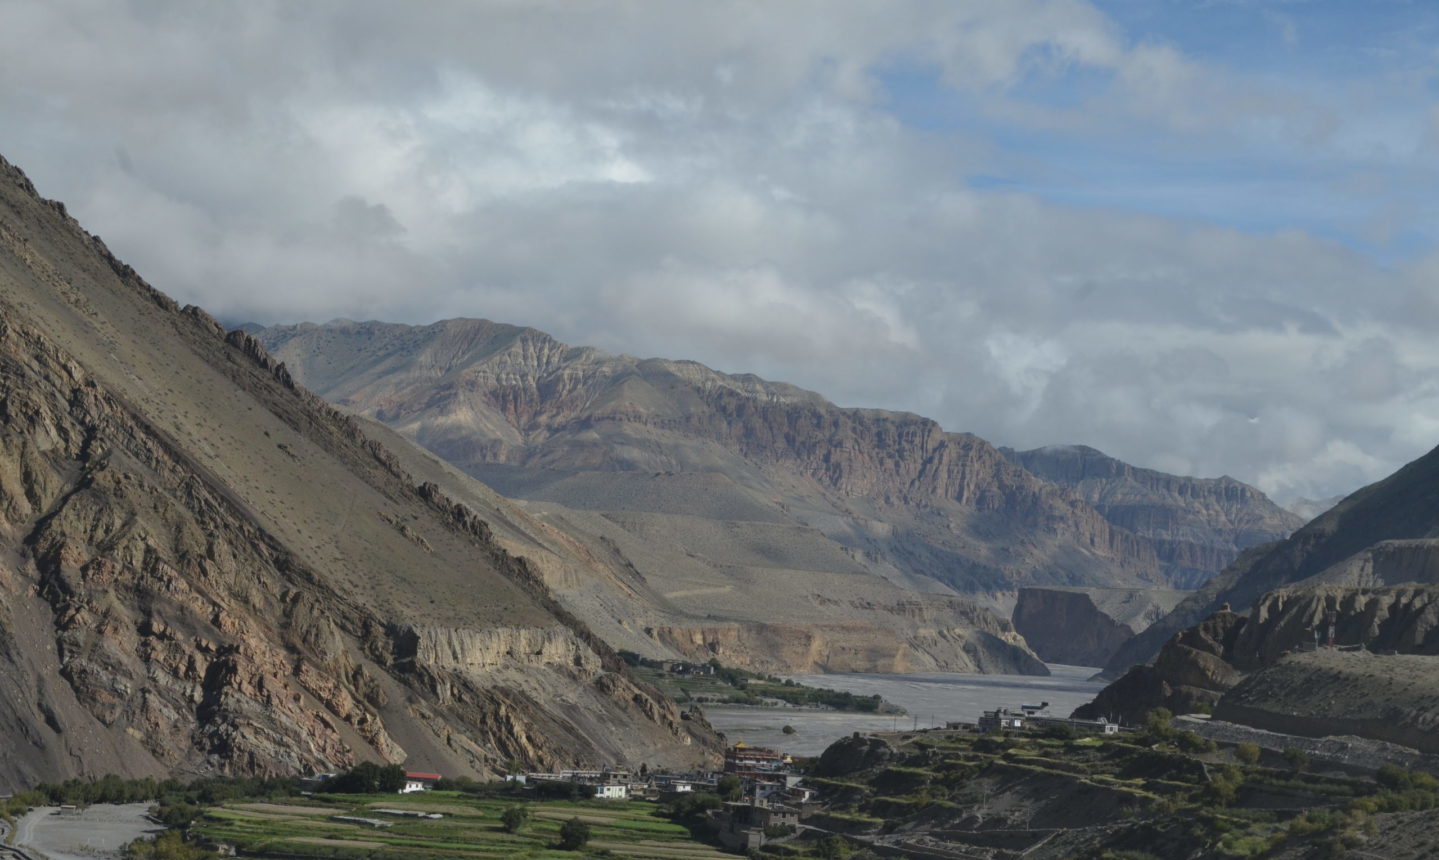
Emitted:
<point x="741" y="500"/>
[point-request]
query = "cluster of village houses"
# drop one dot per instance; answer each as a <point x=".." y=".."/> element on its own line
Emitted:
<point x="772" y="799"/>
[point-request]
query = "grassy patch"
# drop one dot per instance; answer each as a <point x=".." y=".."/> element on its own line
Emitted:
<point x="471" y="828"/>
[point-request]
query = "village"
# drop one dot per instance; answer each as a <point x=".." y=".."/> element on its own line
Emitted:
<point x="765" y="795"/>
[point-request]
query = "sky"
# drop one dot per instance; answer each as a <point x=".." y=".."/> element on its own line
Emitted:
<point x="1199" y="235"/>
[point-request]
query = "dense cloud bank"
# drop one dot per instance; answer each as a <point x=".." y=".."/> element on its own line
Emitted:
<point x="895" y="204"/>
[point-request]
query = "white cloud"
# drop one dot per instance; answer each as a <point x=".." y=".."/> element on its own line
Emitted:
<point x="730" y="182"/>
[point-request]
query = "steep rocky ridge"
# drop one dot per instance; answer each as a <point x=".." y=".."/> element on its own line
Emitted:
<point x="1201" y="666"/>
<point x="892" y="493"/>
<point x="1084" y="626"/>
<point x="1197" y="525"/>
<point x="1385" y="534"/>
<point x="204" y="568"/>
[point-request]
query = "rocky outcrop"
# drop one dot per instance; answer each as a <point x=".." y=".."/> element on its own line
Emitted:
<point x="1084" y="626"/>
<point x="1193" y="671"/>
<point x="206" y="569"/>
<point x="1198" y="526"/>
<point x="1230" y="662"/>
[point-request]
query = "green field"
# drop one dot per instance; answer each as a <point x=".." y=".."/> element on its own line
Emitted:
<point x="471" y="828"/>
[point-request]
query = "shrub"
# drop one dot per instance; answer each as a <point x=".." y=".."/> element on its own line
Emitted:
<point x="514" y="817"/>
<point x="574" y="834"/>
<point x="1247" y="753"/>
<point x="1297" y="758"/>
<point x="169" y="846"/>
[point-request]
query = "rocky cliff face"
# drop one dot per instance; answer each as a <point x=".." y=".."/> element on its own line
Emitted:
<point x="204" y="568"/>
<point x="1198" y="525"/>
<point x="1384" y="534"/>
<point x="1084" y="626"/>
<point x="1192" y="672"/>
<point x="1231" y="662"/>
<point x="727" y="508"/>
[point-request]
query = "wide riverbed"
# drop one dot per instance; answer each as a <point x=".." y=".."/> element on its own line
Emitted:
<point x="931" y="699"/>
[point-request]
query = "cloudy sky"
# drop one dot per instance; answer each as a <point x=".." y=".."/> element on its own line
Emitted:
<point x="1199" y="235"/>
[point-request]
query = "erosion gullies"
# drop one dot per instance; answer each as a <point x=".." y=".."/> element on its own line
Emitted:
<point x="204" y="568"/>
<point x="1197" y="525"/>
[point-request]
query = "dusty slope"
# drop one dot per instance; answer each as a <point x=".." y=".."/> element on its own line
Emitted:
<point x="540" y="420"/>
<point x="1198" y="525"/>
<point x="1384" y="534"/>
<point x="203" y="567"/>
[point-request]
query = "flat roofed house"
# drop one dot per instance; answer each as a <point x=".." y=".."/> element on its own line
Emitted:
<point x="419" y="782"/>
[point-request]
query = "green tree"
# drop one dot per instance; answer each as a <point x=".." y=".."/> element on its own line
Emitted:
<point x="1247" y="753"/>
<point x="574" y="834"/>
<point x="169" y="846"/>
<point x="729" y="787"/>
<point x="1157" y="722"/>
<point x="1297" y="758"/>
<point x="514" y="817"/>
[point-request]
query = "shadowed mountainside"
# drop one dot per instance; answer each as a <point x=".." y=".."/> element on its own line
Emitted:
<point x="1384" y="534"/>
<point x="1085" y="626"/>
<point x="204" y="568"/>
<point x="1197" y="525"/>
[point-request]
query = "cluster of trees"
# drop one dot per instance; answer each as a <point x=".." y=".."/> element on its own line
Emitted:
<point x="167" y="846"/>
<point x="367" y="778"/>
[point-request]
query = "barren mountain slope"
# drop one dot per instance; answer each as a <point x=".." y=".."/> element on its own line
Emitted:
<point x="1385" y="534"/>
<point x="768" y="609"/>
<point x="205" y="568"/>
<point x="543" y="421"/>
<point x="1198" y="525"/>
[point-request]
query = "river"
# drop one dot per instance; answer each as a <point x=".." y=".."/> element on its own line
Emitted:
<point x="930" y="699"/>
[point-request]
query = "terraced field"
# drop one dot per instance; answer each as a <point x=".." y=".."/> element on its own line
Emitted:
<point x="470" y="828"/>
